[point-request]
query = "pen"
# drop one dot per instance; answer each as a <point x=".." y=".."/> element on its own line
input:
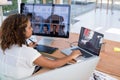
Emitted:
<point x="32" y="41"/>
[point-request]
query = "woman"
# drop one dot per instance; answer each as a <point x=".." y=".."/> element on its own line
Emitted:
<point x="17" y="60"/>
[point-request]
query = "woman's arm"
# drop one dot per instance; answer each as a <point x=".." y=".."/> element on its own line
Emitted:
<point x="44" y="62"/>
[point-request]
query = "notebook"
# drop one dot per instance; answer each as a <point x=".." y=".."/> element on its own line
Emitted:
<point x="89" y="44"/>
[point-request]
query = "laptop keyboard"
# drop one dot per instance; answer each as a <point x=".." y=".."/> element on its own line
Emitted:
<point x="84" y="53"/>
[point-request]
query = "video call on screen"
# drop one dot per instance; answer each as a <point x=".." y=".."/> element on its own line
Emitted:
<point x="48" y="19"/>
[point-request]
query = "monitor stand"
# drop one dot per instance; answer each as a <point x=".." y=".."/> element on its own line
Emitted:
<point x="46" y="41"/>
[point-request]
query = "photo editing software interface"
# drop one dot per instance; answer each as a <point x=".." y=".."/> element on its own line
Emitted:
<point x="51" y="20"/>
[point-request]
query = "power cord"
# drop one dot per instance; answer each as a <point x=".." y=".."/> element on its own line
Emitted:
<point x="72" y="44"/>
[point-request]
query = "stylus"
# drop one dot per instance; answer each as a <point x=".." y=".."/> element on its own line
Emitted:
<point x="32" y="41"/>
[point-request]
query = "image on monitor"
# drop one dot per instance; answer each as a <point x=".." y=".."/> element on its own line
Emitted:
<point x="52" y="20"/>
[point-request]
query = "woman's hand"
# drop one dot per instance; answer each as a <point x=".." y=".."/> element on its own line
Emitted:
<point x="75" y="53"/>
<point x="32" y="44"/>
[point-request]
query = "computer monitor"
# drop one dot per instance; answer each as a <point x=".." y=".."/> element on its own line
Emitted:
<point x="51" y="20"/>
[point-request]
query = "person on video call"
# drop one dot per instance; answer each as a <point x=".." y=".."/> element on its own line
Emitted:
<point x="17" y="60"/>
<point x="54" y="31"/>
<point x="36" y="28"/>
<point x="61" y="30"/>
<point x="91" y="40"/>
<point x="45" y="29"/>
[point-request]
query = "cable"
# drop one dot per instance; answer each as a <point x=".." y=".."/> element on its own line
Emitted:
<point x="72" y="43"/>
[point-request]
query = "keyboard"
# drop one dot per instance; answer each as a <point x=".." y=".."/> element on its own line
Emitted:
<point x="85" y="54"/>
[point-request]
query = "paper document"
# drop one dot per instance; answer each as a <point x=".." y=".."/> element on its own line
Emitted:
<point x="116" y="49"/>
<point x="97" y="75"/>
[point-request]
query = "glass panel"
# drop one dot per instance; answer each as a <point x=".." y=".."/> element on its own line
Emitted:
<point x="79" y="7"/>
<point x="10" y="9"/>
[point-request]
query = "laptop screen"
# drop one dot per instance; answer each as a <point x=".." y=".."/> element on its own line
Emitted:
<point x="90" y="40"/>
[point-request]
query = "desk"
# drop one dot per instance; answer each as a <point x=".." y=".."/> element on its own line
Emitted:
<point x="109" y="60"/>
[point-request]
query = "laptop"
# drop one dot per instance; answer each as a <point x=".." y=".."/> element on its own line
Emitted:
<point x="89" y="44"/>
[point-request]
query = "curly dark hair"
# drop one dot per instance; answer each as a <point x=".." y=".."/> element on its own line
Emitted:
<point x="13" y="31"/>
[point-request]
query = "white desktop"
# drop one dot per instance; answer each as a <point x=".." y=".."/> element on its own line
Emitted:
<point x="78" y="71"/>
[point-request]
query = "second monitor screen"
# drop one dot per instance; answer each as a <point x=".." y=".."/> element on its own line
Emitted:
<point x="48" y="19"/>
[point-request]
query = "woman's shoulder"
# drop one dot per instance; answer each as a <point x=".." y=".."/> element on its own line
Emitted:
<point x="29" y="50"/>
<point x="24" y="47"/>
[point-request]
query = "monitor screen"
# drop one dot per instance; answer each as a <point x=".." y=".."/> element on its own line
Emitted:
<point x="52" y="20"/>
